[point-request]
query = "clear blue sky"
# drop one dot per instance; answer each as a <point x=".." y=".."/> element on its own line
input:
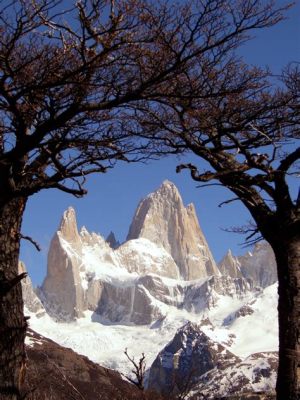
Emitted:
<point x="113" y="197"/>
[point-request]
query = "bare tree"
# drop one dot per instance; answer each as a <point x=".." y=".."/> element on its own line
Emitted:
<point x="138" y="371"/>
<point x="249" y="142"/>
<point x="74" y="79"/>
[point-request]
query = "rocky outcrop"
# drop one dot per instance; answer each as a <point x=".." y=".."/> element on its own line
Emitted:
<point x="206" y="294"/>
<point x="112" y="241"/>
<point x="230" y="266"/>
<point x="126" y="304"/>
<point x="162" y="218"/>
<point x="189" y="355"/>
<point x="62" y="290"/>
<point x="259" y="265"/>
<point x="256" y="374"/>
<point x="31" y="300"/>
<point x="144" y="299"/>
<point x="194" y="363"/>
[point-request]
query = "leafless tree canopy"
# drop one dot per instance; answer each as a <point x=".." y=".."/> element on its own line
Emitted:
<point x="246" y="130"/>
<point x="72" y="76"/>
<point x="138" y="371"/>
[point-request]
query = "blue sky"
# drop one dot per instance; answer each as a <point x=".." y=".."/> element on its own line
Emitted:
<point x="113" y="197"/>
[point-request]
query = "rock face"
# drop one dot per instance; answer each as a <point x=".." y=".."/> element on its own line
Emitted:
<point x="112" y="241"/>
<point x="62" y="286"/>
<point x="189" y="355"/>
<point x="31" y="300"/>
<point x="257" y="373"/>
<point x="162" y="218"/>
<point x="230" y="266"/>
<point x="258" y="265"/>
<point x="205" y="295"/>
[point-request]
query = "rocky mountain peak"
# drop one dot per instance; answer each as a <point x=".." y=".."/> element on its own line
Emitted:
<point x="163" y="219"/>
<point x="259" y="265"/>
<point x="230" y="266"/>
<point x="61" y="288"/>
<point x="31" y="300"/>
<point x="68" y="226"/>
<point x="168" y="191"/>
<point x="189" y="355"/>
<point x="112" y="241"/>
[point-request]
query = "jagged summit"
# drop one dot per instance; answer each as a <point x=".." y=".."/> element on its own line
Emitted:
<point x="112" y="241"/>
<point x="163" y="219"/>
<point x="68" y="225"/>
<point x="167" y="188"/>
<point x="165" y="241"/>
<point x="230" y="266"/>
<point x="258" y="265"/>
<point x="188" y="356"/>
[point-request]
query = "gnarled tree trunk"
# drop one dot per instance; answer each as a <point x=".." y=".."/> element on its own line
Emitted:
<point x="12" y="322"/>
<point x="288" y="263"/>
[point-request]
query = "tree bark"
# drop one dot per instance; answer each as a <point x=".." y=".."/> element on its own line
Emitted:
<point x="12" y="322"/>
<point x="288" y="262"/>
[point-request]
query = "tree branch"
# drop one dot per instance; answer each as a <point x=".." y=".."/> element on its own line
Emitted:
<point x="36" y="245"/>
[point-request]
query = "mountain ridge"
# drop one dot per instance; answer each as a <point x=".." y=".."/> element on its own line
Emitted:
<point x="139" y="294"/>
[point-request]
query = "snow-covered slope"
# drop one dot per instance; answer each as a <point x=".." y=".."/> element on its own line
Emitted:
<point x="104" y="342"/>
<point x="256" y="373"/>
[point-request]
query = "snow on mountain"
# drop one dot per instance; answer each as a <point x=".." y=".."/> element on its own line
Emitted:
<point x="104" y="342"/>
<point x="102" y="298"/>
<point x="189" y="355"/>
<point x="145" y="257"/>
<point x="261" y="323"/>
<point x="256" y="373"/>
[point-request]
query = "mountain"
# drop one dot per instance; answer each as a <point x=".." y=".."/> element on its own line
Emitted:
<point x="162" y="218"/>
<point x="258" y="265"/>
<point x="230" y="266"/>
<point x="85" y="273"/>
<point x="100" y="297"/>
<point x="255" y="374"/>
<point x="194" y="363"/>
<point x="112" y="241"/>
<point x="62" y="285"/>
<point x="189" y="355"/>
<point x="164" y="239"/>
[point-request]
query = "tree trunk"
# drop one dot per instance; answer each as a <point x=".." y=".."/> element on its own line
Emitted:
<point x="12" y="322"/>
<point x="288" y="263"/>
